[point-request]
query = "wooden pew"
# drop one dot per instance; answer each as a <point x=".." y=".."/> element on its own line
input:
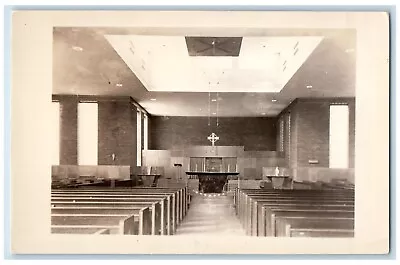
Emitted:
<point x="180" y="198"/>
<point x="169" y="206"/>
<point x="251" y="208"/>
<point x="271" y="215"/>
<point x="116" y="224"/>
<point x="320" y="226"/>
<point x="183" y="197"/>
<point x="315" y="232"/>
<point x="256" y="222"/>
<point x="240" y="192"/>
<point x="242" y="196"/>
<point x="254" y="211"/>
<point x="178" y="203"/>
<point x="251" y="202"/>
<point x="254" y="218"/>
<point x="247" y="205"/>
<point x="156" y="206"/>
<point x="142" y="215"/>
<point x="79" y="230"/>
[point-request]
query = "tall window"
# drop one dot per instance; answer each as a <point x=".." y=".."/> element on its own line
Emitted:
<point x="288" y="137"/>
<point x="146" y="132"/>
<point x="339" y="136"/>
<point x="139" y="138"/>
<point x="87" y="133"/>
<point x="55" y="123"/>
<point x="281" y="136"/>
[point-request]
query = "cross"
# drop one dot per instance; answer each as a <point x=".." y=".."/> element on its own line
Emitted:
<point x="213" y="138"/>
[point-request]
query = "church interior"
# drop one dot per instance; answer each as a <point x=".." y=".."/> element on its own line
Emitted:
<point x="170" y="131"/>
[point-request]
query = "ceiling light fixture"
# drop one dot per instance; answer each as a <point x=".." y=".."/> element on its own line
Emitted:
<point x="309" y="86"/>
<point x="213" y="100"/>
<point x="119" y="85"/>
<point x="77" y="48"/>
<point x="153" y="99"/>
<point x="274" y="100"/>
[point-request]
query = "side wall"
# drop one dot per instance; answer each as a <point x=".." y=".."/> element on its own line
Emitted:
<point x="117" y="121"/>
<point x="309" y="137"/>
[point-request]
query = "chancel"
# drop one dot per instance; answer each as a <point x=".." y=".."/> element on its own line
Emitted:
<point x="224" y="130"/>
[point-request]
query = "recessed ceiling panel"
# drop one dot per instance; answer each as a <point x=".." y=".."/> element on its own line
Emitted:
<point x="213" y="46"/>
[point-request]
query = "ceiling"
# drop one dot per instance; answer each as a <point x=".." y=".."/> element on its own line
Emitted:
<point x="154" y="67"/>
<point x="163" y="63"/>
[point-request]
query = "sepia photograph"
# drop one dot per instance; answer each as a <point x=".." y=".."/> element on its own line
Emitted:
<point x="200" y="125"/>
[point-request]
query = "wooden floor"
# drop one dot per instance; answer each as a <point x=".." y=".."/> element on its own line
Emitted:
<point x="211" y="216"/>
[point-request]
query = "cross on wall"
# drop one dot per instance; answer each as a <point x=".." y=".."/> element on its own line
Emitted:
<point x="213" y="138"/>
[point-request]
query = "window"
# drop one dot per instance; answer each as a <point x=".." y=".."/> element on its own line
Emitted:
<point x="87" y="133"/>
<point x="339" y="136"/>
<point x="281" y="136"/>
<point x="288" y="137"/>
<point x="146" y="132"/>
<point x="139" y="138"/>
<point x="55" y="123"/>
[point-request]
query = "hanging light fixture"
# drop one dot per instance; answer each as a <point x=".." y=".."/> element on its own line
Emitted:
<point x="217" y="111"/>
<point x="209" y="104"/>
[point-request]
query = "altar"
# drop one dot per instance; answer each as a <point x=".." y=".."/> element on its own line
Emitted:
<point x="211" y="182"/>
<point x="212" y="171"/>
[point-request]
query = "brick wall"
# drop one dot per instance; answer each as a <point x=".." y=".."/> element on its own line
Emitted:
<point x="294" y="138"/>
<point x="289" y="115"/>
<point x="117" y="133"/>
<point x="133" y="122"/>
<point x="313" y="133"/>
<point x="116" y="129"/>
<point x="310" y="132"/>
<point x="178" y="132"/>
<point x="149" y="120"/>
<point x="68" y="131"/>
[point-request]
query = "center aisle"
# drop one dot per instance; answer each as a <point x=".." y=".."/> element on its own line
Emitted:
<point x="211" y="216"/>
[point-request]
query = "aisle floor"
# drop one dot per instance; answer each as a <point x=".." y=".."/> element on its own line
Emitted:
<point x="211" y="216"/>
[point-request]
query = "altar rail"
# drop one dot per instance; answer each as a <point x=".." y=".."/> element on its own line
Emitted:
<point x="244" y="184"/>
<point x="315" y="174"/>
<point x="276" y="171"/>
<point x="311" y="174"/>
<point x="69" y="172"/>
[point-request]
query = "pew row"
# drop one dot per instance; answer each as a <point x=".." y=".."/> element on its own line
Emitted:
<point x="263" y="212"/>
<point x="116" y="224"/>
<point x="181" y="196"/>
<point x="299" y="226"/>
<point x="140" y="225"/>
<point x="79" y="230"/>
<point x="166" y="207"/>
